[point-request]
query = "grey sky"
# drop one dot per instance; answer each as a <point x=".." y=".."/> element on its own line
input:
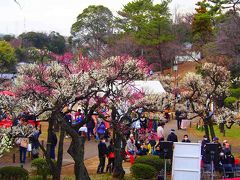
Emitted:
<point x="58" y="15"/>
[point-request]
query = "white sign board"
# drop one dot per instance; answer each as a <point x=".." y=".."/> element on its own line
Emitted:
<point x="186" y="161"/>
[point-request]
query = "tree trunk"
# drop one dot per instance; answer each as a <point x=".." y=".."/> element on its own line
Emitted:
<point x="118" y="171"/>
<point x="221" y="127"/>
<point x="206" y="130"/>
<point x="160" y="58"/>
<point x="76" y="150"/>
<point x="50" y="130"/>
<point x="54" y="170"/>
<point x="60" y="153"/>
<point x="56" y="126"/>
<point x="212" y="132"/>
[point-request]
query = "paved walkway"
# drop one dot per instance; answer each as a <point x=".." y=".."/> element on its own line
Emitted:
<point x="180" y="133"/>
<point x="90" y="151"/>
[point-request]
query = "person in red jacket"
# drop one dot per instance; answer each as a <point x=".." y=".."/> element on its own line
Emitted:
<point x="111" y="157"/>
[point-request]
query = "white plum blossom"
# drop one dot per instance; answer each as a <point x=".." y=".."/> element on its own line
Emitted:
<point x="5" y="141"/>
<point x="203" y="90"/>
<point x="224" y="115"/>
<point x="168" y="82"/>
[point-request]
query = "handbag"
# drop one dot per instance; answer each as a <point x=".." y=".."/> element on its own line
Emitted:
<point x="24" y="142"/>
<point x="29" y="147"/>
<point x="18" y="141"/>
<point x="111" y="155"/>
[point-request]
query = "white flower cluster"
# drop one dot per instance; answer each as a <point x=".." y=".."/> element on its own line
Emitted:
<point x="10" y="104"/>
<point x="168" y="82"/>
<point x="8" y="135"/>
<point x="236" y="80"/>
<point x="203" y="90"/>
<point x="224" y="115"/>
<point x="155" y="102"/>
<point x="5" y="141"/>
<point x="22" y="131"/>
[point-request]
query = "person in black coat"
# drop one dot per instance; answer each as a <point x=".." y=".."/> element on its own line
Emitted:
<point x="178" y="114"/>
<point x="102" y="153"/>
<point x="90" y="127"/>
<point x="203" y="144"/>
<point x="172" y="136"/>
<point x="143" y="122"/>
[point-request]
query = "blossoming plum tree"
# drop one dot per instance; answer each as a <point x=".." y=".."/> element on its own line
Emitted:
<point x="206" y="93"/>
<point x="123" y="102"/>
<point x="54" y="85"/>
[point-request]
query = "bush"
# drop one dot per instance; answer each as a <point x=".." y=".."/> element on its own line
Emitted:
<point x="13" y="172"/>
<point x="42" y="167"/>
<point x="229" y="101"/>
<point x="153" y="161"/>
<point x="235" y="92"/>
<point x="143" y="171"/>
<point x="35" y="178"/>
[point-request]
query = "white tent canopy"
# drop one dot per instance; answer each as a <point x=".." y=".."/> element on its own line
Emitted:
<point x="149" y="87"/>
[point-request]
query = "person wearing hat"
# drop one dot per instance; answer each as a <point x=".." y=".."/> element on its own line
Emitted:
<point x="216" y="141"/>
<point x="172" y="136"/>
<point x="226" y="146"/>
<point x="218" y="151"/>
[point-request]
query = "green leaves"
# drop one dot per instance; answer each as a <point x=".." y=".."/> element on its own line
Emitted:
<point x="202" y="26"/>
<point x="92" y="30"/>
<point x="149" y="23"/>
<point x="7" y="56"/>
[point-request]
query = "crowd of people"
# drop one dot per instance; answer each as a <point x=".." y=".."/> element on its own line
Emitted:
<point x="220" y="154"/>
<point x="142" y="140"/>
<point x="144" y="137"/>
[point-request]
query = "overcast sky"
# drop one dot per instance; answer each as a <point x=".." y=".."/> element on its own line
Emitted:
<point x="59" y="15"/>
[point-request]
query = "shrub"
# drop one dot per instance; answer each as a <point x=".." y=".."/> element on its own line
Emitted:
<point x="42" y="167"/>
<point x="229" y="101"/>
<point x="13" y="172"/>
<point x="235" y="92"/>
<point x="153" y="161"/>
<point x="143" y="171"/>
<point x="35" y="178"/>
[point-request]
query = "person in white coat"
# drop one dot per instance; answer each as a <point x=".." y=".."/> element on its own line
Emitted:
<point x="160" y="131"/>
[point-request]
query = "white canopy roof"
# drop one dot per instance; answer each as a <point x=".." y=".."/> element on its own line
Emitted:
<point x="150" y="87"/>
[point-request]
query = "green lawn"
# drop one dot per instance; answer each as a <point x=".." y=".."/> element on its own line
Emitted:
<point x="234" y="132"/>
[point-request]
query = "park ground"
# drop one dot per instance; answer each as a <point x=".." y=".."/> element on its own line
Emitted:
<point x="91" y="159"/>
